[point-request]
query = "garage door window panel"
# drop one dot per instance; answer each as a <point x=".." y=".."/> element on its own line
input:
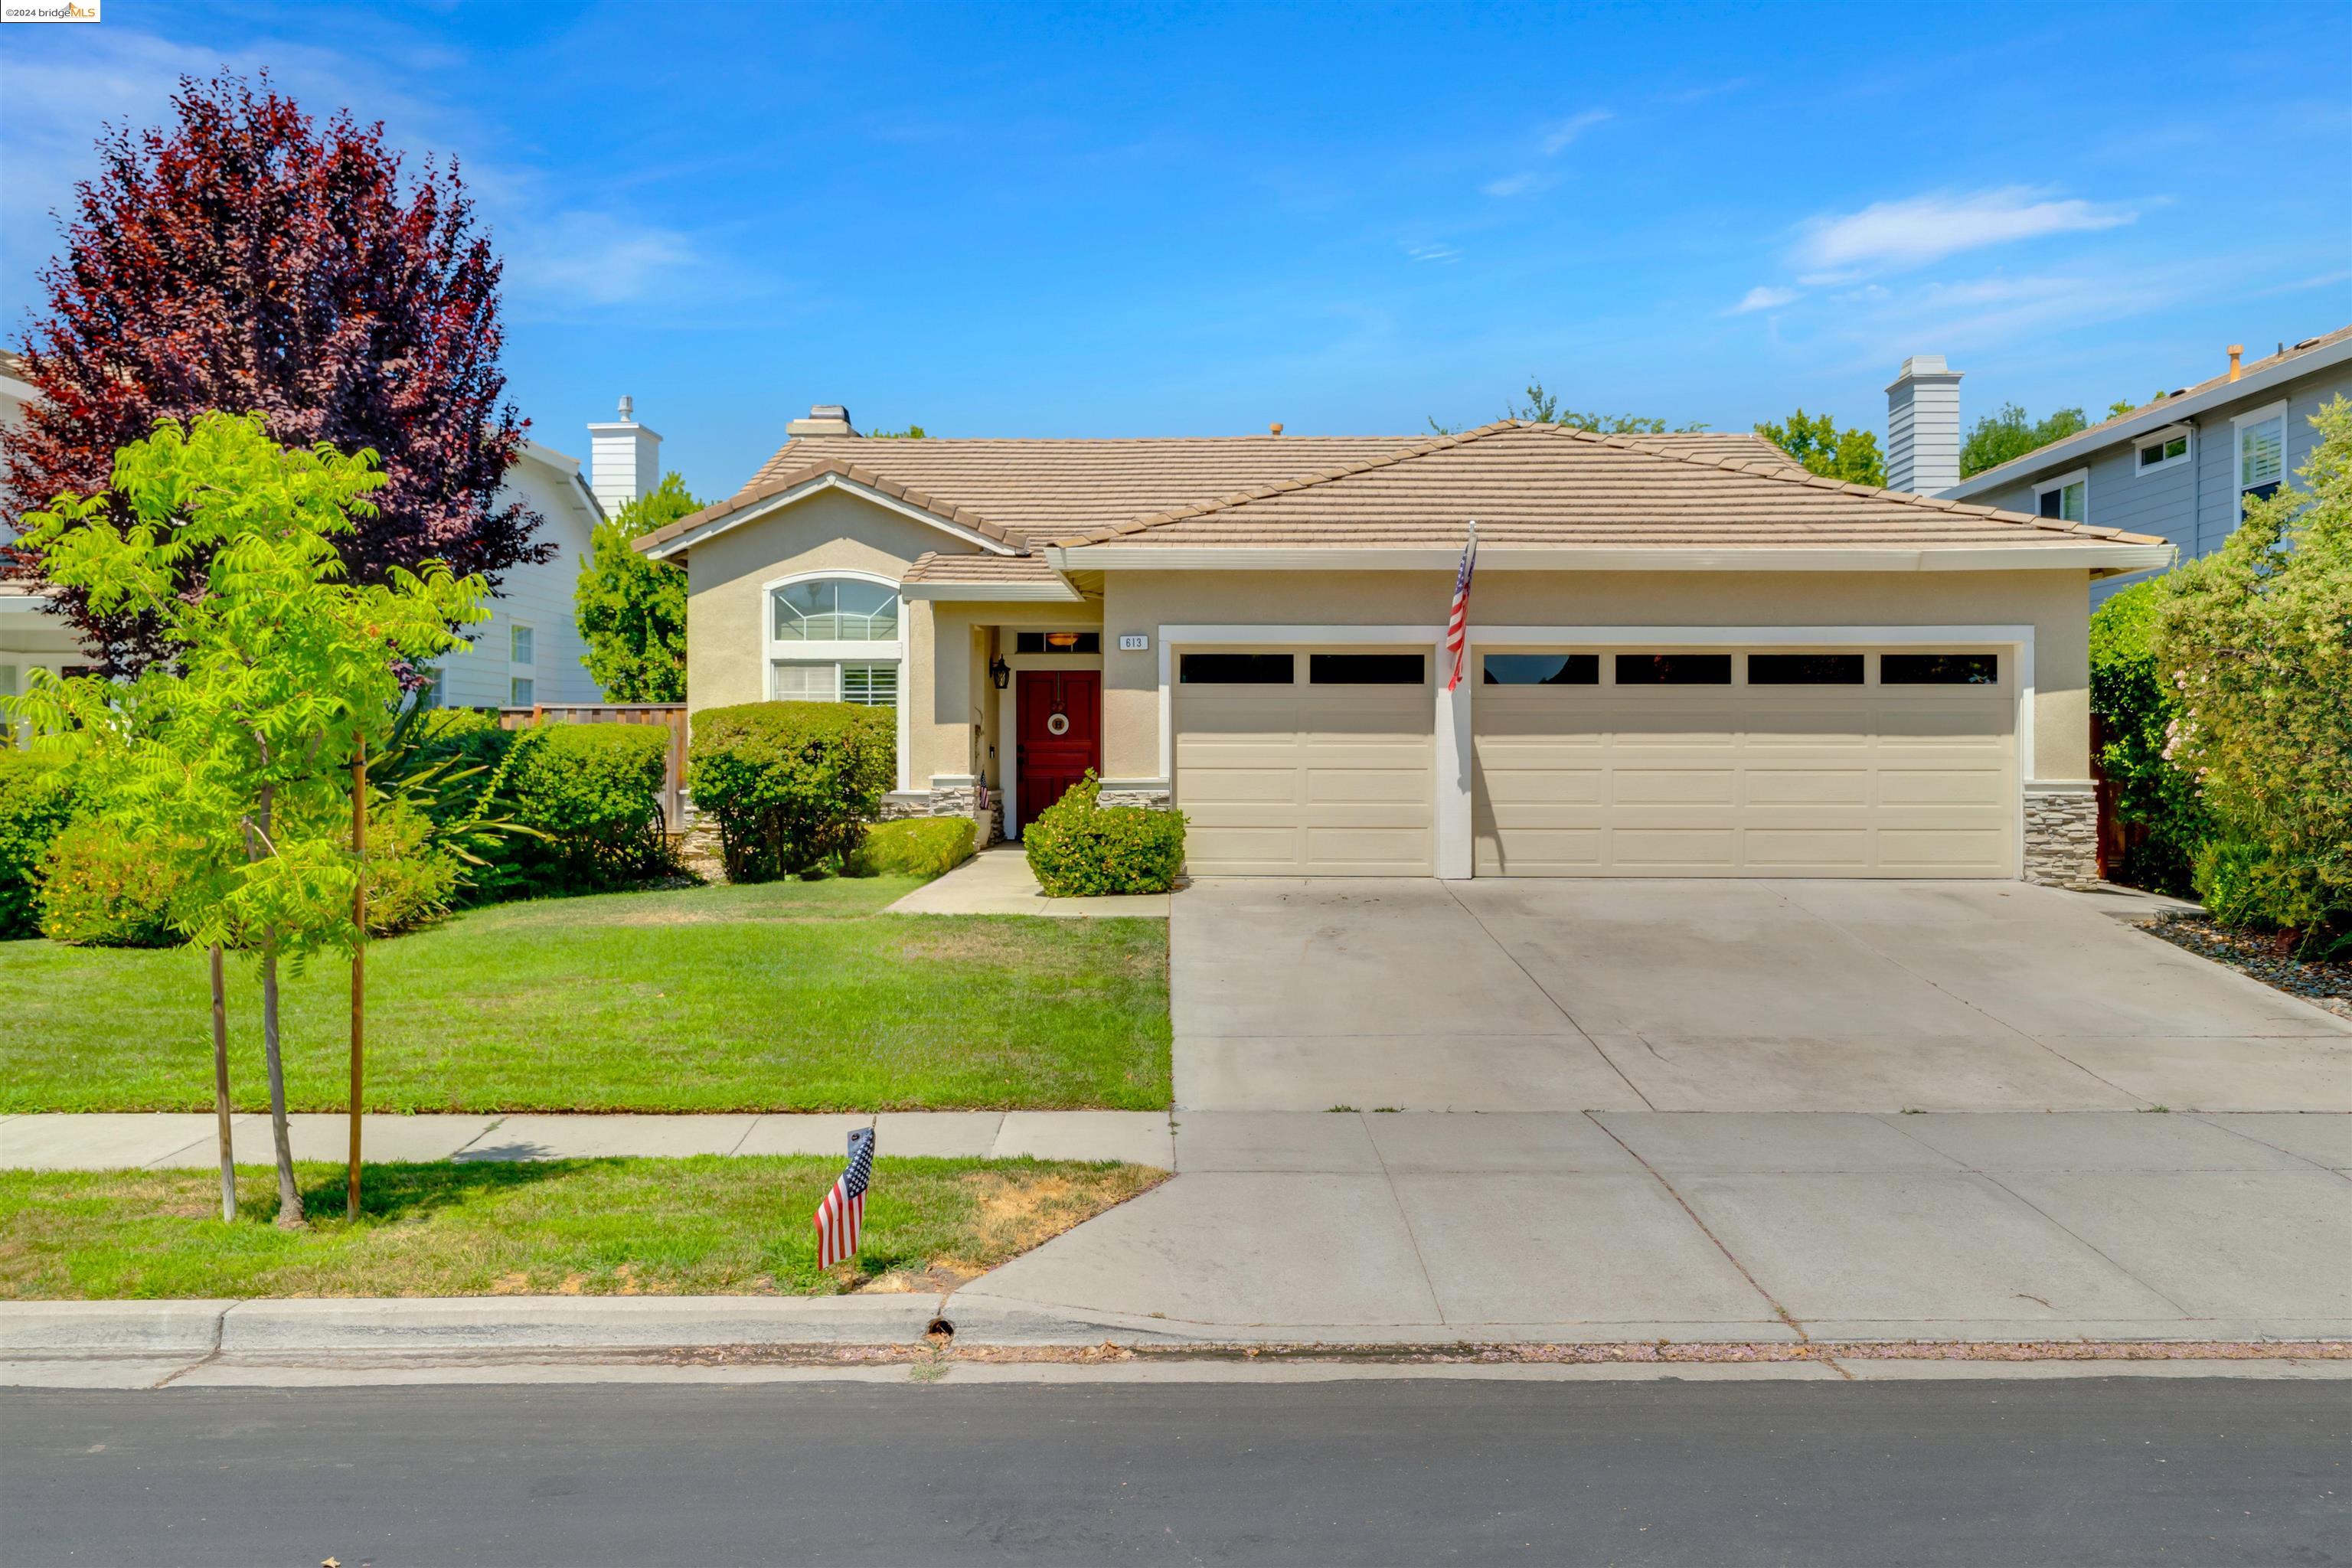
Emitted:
<point x="1366" y="670"/>
<point x="1805" y="668"/>
<point x="1236" y="670"/>
<point x="1939" y="669"/>
<point x="1542" y="669"/>
<point x="1673" y="669"/>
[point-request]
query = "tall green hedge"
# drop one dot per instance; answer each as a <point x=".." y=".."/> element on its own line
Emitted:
<point x="589" y="795"/>
<point x="791" y="785"/>
<point x="35" y="804"/>
<point x="2135" y="706"/>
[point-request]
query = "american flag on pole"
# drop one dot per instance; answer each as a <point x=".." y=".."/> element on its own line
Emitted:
<point x="1458" y="625"/>
<point x="843" y="1213"/>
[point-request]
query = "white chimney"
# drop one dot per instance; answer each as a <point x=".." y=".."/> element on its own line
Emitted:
<point x="1923" y="426"/>
<point x="623" y="461"/>
<point x="823" y="419"/>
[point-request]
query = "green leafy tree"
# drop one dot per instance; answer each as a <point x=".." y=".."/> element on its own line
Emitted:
<point x="2007" y="434"/>
<point x="1816" y="442"/>
<point x="631" y="608"/>
<point x="229" y="757"/>
<point x="2133" y="704"/>
<point x="2257" y="641"/>
<point x="1539" y="405"/>
<point x="911" y="433"/>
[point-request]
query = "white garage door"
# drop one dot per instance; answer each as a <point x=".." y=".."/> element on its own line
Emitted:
<point x="1762" y="762"/>
<point x="1306" y="764"/>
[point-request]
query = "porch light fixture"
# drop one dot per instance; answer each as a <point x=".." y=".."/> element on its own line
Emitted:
<point x="1000" y="673"/>
<point x="1061" y="642"/>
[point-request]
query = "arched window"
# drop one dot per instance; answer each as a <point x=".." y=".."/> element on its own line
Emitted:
<point x="836" y="609"/>
<point x="834" y="639"/>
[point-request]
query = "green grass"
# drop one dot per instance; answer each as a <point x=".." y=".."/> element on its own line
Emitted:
<point x="597" y="1227"/>
<point x="781" y="996"/>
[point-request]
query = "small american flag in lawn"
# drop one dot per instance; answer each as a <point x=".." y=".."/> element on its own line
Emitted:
<point x="1458" y="625"/>
<point x="843" y="1213"/>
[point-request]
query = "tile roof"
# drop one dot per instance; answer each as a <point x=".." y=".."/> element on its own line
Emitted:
<point x="977" y="566"/>
<point x="1526" y="484"/>
<point x="1544" y="485"/>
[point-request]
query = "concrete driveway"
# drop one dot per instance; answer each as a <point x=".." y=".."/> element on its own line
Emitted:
<point x="1523" y="996"/>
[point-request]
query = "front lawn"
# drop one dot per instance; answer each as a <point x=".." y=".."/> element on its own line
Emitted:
<point x="780" y="996"/>
<point x="708" y="1226"/>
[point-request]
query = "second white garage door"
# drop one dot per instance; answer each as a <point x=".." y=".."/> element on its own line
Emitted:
<point x="1306" y="764"/>
<point x="1764" y="763"/>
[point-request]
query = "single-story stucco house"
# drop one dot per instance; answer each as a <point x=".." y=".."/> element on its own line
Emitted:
<point x="1687" y="656"/>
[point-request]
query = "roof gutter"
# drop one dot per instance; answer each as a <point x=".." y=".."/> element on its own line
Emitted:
<point x="2100" y="559"/>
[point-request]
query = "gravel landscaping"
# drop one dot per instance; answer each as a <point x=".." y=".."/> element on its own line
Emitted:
<point x="2269" y="959"/>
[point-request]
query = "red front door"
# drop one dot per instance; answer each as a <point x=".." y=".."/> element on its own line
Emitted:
<point x="1060" y="734"/>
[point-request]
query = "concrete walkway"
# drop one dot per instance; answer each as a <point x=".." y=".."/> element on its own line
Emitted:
<point x="1290" y="1226"/>
<point x="60" y="1142"/>
<point x="999" y="882"/>
<point x="1516" y="995"/>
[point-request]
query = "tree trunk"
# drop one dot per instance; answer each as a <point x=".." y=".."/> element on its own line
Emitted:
<point x="220" y="1090"/>
<point x="289" y="1196"/>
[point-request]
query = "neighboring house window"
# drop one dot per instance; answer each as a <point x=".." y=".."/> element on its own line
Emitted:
<point x="2262" y="452"/>
<point x="8" y="687"/>
<point x="435" y="692"/>
<point x="834" y="639"/>
<point x="2065" y="497"/>
<point x="2164" y="449"/>
<point x="519" y="646"/>
<point x="521" y="689"/>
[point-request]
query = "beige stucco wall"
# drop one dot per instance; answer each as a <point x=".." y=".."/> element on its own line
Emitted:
<point x="944" y="688"/>
<point x="2055" y="602"/>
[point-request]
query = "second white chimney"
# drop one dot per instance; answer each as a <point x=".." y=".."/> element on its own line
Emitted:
<point x="1923" y="426"/>
<point x="623" y="461"/>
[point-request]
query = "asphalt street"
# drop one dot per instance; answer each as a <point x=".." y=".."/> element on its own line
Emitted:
<point x="2062" y="1471"/>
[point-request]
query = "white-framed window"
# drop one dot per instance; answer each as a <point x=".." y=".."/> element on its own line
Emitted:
<point x="519" y="648"/>
<point x="869" y="684"/>
<point x="2166" y="449"/>
<point x="2262" y="451"/>
<point x="521" y="691"/>
<point x="2066" y="498"/>
<point x="435" y="692"/>
<point x="834" y="609"/>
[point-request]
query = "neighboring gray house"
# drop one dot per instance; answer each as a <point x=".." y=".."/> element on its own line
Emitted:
<point x="2176" y="468"/>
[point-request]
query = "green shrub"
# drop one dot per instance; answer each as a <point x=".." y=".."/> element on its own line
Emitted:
<point x="791" y="784"/>
<point x="2135" y="707"/>
<point x="1079" y="847"/>
<point x="2253" y="639"/>
<point x="589" y="795"/>
<point x="100" y="888"/>
<point x="411" y="879"/>
<point x="916" y="846"/>
<point x="36" y="803"/>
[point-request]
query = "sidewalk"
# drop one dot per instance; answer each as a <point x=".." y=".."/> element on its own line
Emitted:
<point x="97" y="1143"/>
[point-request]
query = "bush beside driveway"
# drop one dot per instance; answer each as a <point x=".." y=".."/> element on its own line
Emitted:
<point x="781" y="996"/>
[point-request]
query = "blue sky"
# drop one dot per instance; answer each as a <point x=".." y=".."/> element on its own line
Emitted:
<point x="1045" y="221"/>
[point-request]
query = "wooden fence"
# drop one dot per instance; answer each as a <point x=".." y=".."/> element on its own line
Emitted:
<point x="670" y="714"/>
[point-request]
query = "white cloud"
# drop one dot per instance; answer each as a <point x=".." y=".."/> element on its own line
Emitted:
<point x="1524" y="183"/>
<point x="1763" y="298"/>
<point x="1433" y="253"/>
<point x="1558" y="135"/>
<point x="1924" y="228"/>
<point x="595" y="258"/>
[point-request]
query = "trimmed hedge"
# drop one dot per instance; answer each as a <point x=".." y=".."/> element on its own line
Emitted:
<point x="2134" y="708"/>
<point x="35" y="804"/>
<point x="591" y="794"/>
<point x="791" y="785"/>
<point x="1079" y="847"/>
<point x="916" y="846"/>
